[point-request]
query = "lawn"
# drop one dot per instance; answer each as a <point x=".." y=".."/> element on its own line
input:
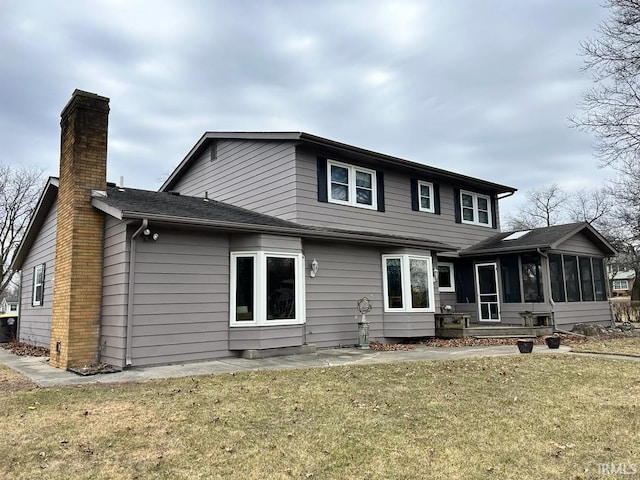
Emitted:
<point x="524" y="416"/>
<point x="623" y="346"/>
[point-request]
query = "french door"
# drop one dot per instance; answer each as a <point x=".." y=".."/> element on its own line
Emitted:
<point x="487" y="286"/>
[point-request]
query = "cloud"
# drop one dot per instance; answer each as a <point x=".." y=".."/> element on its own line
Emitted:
<point x="481" y="88"/>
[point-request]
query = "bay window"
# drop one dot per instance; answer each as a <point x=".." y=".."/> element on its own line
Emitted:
<point x="408" y="283"/>
<point x="266" y="289"/>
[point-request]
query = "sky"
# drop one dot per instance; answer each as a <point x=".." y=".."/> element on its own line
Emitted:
<point x="479" y="87"/>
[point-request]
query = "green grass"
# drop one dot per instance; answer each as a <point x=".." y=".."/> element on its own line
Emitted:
<point x="621" y="346"/>
<point x="525" y="417"/>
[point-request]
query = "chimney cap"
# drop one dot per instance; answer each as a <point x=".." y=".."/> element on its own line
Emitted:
<point x="87" y="100"/>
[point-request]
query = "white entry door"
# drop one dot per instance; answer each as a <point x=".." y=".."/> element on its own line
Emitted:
<point x="487" y="286"/>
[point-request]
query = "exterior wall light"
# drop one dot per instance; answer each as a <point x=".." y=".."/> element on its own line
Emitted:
<point x="314" y="268"/>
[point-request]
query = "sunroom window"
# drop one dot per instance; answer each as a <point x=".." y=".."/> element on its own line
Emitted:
<point x="408" y="283"/>
<point x="266" y="289"/>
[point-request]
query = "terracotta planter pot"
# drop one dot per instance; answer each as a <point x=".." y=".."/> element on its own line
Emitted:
<point x="525" y="346"/>
<point x="552" y="342"/>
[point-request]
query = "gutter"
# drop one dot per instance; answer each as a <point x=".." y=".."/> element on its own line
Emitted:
<point x="304" y="231"/>
<point x="132" y="263"/>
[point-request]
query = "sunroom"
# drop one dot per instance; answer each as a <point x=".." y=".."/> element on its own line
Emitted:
<point x="528" y="282"/>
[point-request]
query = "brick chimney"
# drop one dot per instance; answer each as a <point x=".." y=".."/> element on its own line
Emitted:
<point x="77" y="286"/>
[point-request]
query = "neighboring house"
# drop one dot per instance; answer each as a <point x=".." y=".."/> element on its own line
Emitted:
<point x="10" y="304"/>
<point x="264" y="242"/>
<point x="622" y="282"/>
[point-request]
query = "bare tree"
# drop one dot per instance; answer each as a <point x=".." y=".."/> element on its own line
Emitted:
<point x="611" y="108"/>
<point x="544" y="207"/>
<point x="19" y="191"/>
<point x="594" y="206"/>
<point x="551" y="205"/>
<point x="611" y="112"/>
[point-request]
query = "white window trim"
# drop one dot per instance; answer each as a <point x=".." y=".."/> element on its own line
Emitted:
<point x="452" y="277"/>
<point x="406" y="283"/>
<point x="352" y="185"/>
<point x="620" y="281"/>
<point x="429" y="185"/>
<point x="36" y="270"/>
<point x="475" y="197"/>
<point x="260" y="288"/>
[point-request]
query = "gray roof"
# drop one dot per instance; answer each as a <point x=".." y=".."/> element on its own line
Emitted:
<point x="328" y="146"/>
<point x="170" y="208"/>
<point x="546" y="238"/>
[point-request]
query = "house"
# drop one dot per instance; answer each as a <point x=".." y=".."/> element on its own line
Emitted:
<point x="622" y="282"/>
<point x="9" y="304"/>
<point x="262" y="243"/>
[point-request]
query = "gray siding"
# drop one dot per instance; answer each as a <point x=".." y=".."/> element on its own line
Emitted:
<point x="251" y="338"/>
<point x="257" y="175"/>
<point x="181" y="300"/>
<point x="115" y="281"/>
<point x="569" y="314"/>
<point x="398" y="219"/>
<point x="265" y="243"/>
<point x="581" y="245"/>
<point x="346" y="273"/>
<point x="35" y="322"/>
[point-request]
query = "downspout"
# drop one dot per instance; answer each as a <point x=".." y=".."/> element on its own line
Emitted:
<point x="551" y="302"/>
<point x="132" y="263"/>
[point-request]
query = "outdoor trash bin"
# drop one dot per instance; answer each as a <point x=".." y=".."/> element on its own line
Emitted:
<point x="8" y="329"/>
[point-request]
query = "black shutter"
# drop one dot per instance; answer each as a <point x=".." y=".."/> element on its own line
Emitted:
<point x="436" y="199"/>
<point x="415" y="201"/>
<point x="456" y="205"/>
<point x="380" y="190"/>
<point x="494" y="212"/>
<point x="322" y="180"/>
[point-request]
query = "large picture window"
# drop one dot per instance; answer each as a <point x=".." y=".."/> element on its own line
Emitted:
<point x="351" y="185"/>
<point x="266" y="289"/>
<point x="408" y="283"/>
<point x="38" y="285"/>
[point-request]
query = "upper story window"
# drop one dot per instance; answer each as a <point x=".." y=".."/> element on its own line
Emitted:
<point x="426" y="197"/>
<point x="38" y="285"/>
<point x="475" y="208"/>
<point x="351" y="185"/>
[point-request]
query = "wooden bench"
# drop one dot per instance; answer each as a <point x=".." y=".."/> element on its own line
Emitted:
<point x="452" y="320"/>
<point x="530" y="317"/>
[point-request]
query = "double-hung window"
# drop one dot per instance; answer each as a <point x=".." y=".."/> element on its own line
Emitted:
<point x="266" y="289"/>
<point x="426" y="197"/>
<point x="408" y="283"/>
<point x="351" y="185"/>
<point x="475" y="208"/>
<point x="38" y="285"/>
